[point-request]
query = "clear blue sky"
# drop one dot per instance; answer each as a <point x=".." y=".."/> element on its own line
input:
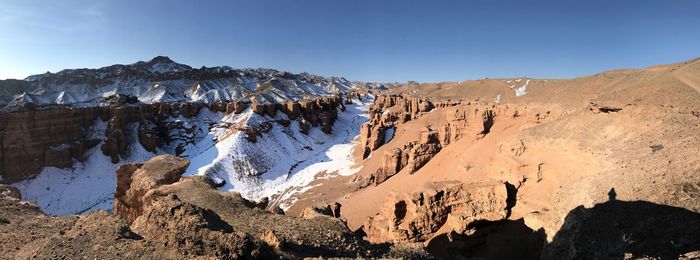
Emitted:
<point x="369" y="40"/>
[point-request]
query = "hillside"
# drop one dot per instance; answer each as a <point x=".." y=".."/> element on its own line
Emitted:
<point x="295" y="165"/>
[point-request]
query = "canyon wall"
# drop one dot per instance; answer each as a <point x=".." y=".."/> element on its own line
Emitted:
<point x="438" y="123"/>
<point x="33" y="139"/>
<point x="442" y="207"/>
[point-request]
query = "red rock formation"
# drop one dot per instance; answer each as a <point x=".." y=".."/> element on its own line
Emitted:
<point x="388" y="111"/>
<point x="148" y="135"/>
<point x="438" y="208"/>
<point x="271" y="109"/>
<point x="292" y="109"/>
<point x="135" y="179"/>
<point x="62" y="135"/>
<point x="412" y="155"/>
<point x="391" y="111"/>
<point x="236" y="107"/>
<point x="30" y="140"/>
<point x="217" y="107"/>
<point x="391" y="164"/>
<point x="420" y="154"/>
<point x="258" y="108"/>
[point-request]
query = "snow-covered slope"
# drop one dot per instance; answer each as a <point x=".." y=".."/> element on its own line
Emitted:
<point x="90" y="185"/>
<point x="282" y="161"/>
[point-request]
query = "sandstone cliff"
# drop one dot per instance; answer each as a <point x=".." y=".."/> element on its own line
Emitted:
<point x="31" y="140"/>
<point x="444" y="207"/>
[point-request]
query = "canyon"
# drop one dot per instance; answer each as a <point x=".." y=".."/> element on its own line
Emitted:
<point x="175" y="162"/>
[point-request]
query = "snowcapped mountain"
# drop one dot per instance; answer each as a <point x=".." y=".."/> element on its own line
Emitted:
<point x="163" y="80"/>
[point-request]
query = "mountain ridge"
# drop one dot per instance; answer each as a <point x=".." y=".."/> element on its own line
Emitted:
<point x="164" y="80"/>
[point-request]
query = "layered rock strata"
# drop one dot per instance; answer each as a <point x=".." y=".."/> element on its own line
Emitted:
<point x="457" y="120"/>
<point x="33" y="139"/>
<point x="441" y="207"/>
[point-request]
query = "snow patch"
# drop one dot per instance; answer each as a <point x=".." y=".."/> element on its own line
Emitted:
<point x="389" y="134"/>
<point x="86" y="187"/>
<point x="522" y="90"/>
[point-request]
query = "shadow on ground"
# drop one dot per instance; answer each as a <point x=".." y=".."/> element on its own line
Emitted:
<point x="611" y="230"/>
<point x="615" y="228"/>
<point x="509" y="239"/>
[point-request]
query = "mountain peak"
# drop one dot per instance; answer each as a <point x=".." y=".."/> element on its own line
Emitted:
<point x="163" y="64"/>
<point x="161" y="59"/>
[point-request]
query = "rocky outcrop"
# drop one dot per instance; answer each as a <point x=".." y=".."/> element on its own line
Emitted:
<point x="148" y="135"/>
<point x="451" y="121"/>
<point x="31" y="140"/>
<point x="173" y="230"/>
<point x="192" y="230"/>
<point x="388" y="111"/>
<point x="392" y="162"/>
<point x="322" y="210"/>
<point x="135" y="179"/>
<point x="236" y="107"/>
<point x="438" y="208"/>
<point x="191" y="216"/>
<point x="411" y="156"/>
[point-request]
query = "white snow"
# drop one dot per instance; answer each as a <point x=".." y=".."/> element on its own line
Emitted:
<point x="223" y="89"/>
<point x="389" y="134"/>
<point x="522" y="90"/>
<point x="165" y="67"/>
<point x="283" y="161"/>
<point x="86" y="187"/>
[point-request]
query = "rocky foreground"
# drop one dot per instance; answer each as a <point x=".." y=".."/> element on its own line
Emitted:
<point x="159" y="214"/>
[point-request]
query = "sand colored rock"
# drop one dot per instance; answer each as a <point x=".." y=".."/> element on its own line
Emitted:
<point x="191" y="230"/>
<point x="316" y="211"/>
<point x="386" y="112"/>
<point x="443" y="206"/>
<point x="134" y="180"/>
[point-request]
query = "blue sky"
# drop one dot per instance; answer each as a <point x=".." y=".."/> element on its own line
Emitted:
<point x="369" y="40"/>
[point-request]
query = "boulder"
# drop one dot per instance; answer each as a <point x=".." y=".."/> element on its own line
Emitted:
<point x="134" y="180"/>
